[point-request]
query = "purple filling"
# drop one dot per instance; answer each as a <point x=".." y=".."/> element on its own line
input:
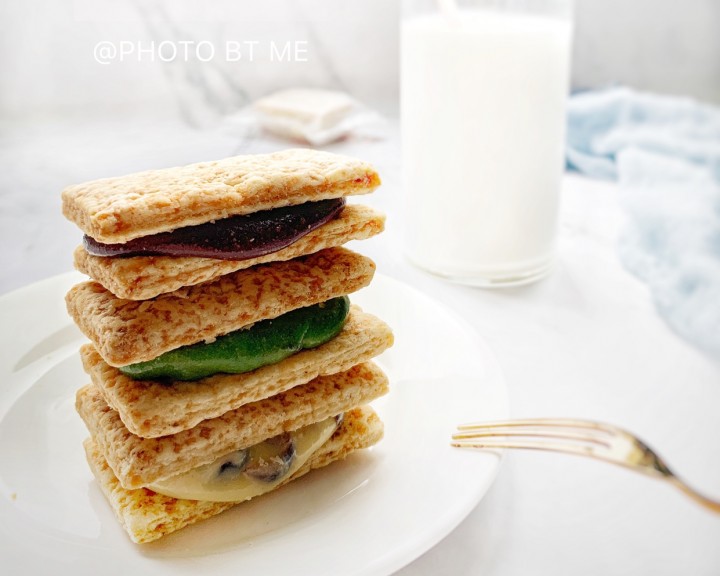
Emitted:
<point x="234" y="238"/>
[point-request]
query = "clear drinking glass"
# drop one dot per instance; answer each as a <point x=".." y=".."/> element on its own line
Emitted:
<point x="483" y="91"/>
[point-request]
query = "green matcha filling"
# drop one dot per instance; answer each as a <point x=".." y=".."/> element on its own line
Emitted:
<point x="265" y="342"/>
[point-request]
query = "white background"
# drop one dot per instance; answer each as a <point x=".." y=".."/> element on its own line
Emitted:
<point x="47" y="66"/>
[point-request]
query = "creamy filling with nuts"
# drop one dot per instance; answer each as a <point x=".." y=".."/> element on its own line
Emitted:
<point x="248" y="473"/>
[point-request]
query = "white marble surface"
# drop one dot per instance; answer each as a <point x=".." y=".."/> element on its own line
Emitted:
<point x="585" y="342"/>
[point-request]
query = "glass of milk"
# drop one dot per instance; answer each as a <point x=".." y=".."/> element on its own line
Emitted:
<point x="483" y="91"/>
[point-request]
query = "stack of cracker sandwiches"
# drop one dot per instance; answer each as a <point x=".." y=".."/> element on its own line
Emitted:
<point x="225" y="358"/>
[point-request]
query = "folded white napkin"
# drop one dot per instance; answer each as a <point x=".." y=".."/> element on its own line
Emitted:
<point x="312" y="115"/>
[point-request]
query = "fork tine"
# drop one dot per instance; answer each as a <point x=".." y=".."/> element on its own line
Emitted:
<point x="498" y="431"/>
<point x="575" y="449"/>
<point x="543" y="422"/>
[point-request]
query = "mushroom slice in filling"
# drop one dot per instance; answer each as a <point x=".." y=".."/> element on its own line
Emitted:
<point x="247" y="473"/>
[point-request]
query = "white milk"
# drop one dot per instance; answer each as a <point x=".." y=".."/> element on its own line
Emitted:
<point x="483" y="120"/>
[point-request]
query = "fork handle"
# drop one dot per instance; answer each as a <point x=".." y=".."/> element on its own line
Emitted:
<point x="695" y="495"/>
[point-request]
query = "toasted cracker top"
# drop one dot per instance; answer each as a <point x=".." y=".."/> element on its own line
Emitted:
<point x="115" y="210"/>
<point x="129" y="331"/>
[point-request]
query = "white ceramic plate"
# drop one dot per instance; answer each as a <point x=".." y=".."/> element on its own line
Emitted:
<point x="372" y="514"/>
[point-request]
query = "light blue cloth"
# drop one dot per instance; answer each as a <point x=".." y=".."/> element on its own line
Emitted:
<point x="665" y="154"/>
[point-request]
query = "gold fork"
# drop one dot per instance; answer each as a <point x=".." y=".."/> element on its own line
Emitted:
<point x="581" y="437"/>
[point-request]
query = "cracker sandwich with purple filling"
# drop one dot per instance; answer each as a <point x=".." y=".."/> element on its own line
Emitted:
<point x="183" y="226"/>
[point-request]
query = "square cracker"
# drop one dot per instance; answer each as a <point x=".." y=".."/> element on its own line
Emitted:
<point x="115" y="210"/>
<point x="150" y="408"/>
<point x="129" y="331"/>
<point x="144" y="277"/>
<point x="139" y="461"/>
<point x="147" y="516"/>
